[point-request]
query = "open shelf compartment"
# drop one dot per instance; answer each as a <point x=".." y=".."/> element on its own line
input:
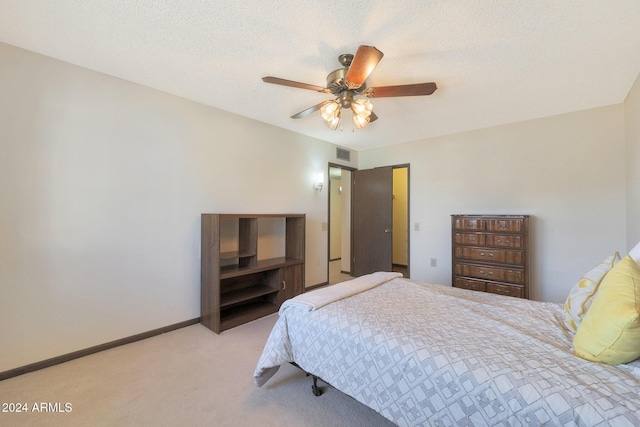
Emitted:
<point x="236" y="270"/>
<point x="240" y="314"/>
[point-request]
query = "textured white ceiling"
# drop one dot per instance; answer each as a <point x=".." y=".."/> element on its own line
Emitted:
<point x="495" y="62"/>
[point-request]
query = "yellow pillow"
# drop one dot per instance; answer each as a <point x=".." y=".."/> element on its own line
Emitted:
<point x="581" y="294"/>
<point x="610" y="331"/>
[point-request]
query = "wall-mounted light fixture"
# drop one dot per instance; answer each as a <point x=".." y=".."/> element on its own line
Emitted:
<point x="319" y="181"/>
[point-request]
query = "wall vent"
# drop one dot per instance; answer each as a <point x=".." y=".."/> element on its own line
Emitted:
<point x="343" y="154"/>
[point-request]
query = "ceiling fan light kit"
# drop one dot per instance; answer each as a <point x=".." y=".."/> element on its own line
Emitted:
<point x="348" y="82"/>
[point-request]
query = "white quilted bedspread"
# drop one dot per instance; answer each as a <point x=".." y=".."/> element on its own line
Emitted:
<point x="422" y="354"/>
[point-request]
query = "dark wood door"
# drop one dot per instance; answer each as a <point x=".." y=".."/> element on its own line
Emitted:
<point x="372" y="220"/>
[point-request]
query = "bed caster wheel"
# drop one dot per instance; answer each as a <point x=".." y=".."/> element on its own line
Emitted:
<point x="316" y="390"/>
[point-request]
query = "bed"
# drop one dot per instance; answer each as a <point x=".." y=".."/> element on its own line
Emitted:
<point x="426" y="354"/>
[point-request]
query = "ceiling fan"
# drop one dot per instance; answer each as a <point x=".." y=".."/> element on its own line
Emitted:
<point x="347" y="84"/>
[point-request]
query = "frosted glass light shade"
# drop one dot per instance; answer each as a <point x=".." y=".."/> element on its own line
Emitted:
<point x="319" y="181"/>
<point x="362" y="109"/>
<point x="331" y="114"/>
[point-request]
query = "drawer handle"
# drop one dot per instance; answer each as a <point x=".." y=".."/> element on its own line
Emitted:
<point x="284" y="285"/>
<point x="500" y="241"/>
<point x="489" y="255"/>
<point x="486" y="273"/>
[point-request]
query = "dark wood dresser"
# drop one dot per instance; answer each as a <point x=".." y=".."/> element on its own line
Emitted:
<point x="490" y="253"/>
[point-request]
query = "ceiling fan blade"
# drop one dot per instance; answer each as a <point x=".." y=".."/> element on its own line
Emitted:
<point x="363" y="63"/>
<point x="284" y="82"/>
<point x="401" y="90"/>
<point x="373" y="117"/>
<point x="305" y="113"/>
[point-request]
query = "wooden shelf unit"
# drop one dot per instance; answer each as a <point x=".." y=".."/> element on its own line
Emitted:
<point x="237" y="286"/>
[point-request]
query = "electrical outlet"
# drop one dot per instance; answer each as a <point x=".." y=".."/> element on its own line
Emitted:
<point x="434" y="262"/>
<point x="416" y="226"/>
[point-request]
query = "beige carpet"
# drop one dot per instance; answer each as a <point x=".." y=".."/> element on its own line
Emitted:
<point x="335" y="274"/>
<point x="188" y="377"/>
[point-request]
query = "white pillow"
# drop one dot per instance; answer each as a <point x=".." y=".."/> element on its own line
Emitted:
<point x="635" y="253"/>
<point x="582" y="293"/>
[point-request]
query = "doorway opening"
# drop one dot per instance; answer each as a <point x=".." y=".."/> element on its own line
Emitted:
<point x="400" y="215"/>
<point x="341" y="251"/>
<point x="339" y="264"/>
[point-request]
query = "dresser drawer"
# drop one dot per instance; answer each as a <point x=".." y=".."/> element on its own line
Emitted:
<point x="509" y="225"/>
<point x="470" y="224"/>
<point x="474" y="285"/>
<point x="504" y="240"/>
<point x="475" y="239"/>
<point x="503" y="256"/>
<point x="499" y="274"/>
<point x="513" y="291"/>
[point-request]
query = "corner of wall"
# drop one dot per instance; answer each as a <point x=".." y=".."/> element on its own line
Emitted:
<point x="632" y="156"/>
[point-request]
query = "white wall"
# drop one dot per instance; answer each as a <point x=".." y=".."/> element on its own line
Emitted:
<point x="632" y="127"/>
<point x="102" y="183"/>
<point x="567" y="171"/>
